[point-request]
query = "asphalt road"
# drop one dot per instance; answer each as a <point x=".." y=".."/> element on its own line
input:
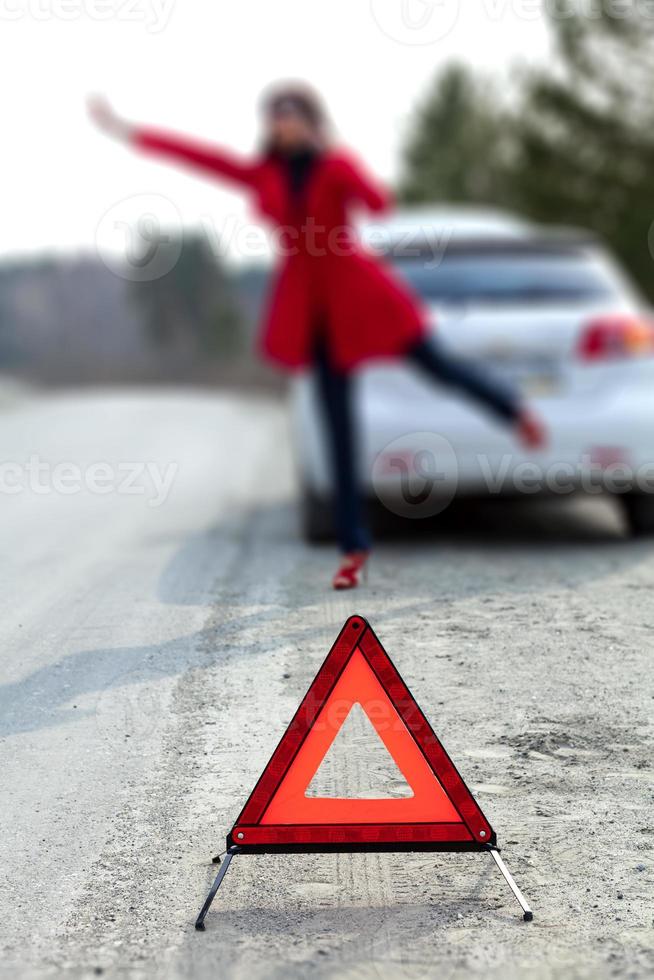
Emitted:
<point x="161" y="620"/>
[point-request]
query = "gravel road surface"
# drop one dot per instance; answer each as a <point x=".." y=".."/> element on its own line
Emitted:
<point x="159" y="626"/>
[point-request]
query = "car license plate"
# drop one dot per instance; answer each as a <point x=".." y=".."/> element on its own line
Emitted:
<point x="540" y="384"/>
<point x="537" y="377"/>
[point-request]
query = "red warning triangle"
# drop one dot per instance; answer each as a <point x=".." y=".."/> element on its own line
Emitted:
<point x="439" y="813"/>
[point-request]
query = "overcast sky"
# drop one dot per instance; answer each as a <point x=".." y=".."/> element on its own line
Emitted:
<point x="198" y="66"/>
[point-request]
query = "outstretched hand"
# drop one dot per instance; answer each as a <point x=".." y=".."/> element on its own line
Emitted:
<point x="103" y="115"/>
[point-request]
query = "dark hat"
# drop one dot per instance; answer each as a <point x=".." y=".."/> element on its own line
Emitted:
<point x="298" y="100"/>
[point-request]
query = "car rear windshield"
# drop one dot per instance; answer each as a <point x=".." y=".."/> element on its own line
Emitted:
<point x="487" y="276"/>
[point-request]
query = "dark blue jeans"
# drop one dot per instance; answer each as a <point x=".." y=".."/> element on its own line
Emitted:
<point x="336" y="394"/>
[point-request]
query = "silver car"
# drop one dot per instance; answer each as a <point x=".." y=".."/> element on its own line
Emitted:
<point x="548" y="310"/>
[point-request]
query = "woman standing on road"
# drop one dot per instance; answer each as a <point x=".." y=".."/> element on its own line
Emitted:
<point x="333" y="306"/>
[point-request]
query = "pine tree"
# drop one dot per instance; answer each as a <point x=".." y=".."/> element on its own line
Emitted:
<point x="574" y="147"/>
<point x="459" y="148"/>
<point x="586" y="134"/>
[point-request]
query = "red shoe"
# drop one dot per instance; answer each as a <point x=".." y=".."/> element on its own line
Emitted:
<point x="530" y="430"/>
<point x="351" y="570"/>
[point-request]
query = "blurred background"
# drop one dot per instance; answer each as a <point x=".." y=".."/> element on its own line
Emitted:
<point x="544" y="109"/>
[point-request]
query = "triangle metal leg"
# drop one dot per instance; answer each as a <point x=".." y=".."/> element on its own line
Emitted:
<point x="222" y="871"/>
<point x="527" y="912"/>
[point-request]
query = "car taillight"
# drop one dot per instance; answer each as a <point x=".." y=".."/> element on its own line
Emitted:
<point x="615" y="337"/>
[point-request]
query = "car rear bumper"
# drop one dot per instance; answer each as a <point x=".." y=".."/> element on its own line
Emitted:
<point x="595" y="444"/>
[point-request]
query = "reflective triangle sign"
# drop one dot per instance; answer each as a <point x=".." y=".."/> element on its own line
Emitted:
<point x="439" y="813"/>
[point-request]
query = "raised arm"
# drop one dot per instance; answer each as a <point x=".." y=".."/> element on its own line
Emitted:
<point x="360" y="186"/>
<point x="197" y="154"/>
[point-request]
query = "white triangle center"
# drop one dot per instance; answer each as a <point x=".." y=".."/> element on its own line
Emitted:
<point x="358" y="765"/>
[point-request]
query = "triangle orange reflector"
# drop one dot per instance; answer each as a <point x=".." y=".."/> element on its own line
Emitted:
<point x="440" y="813"/>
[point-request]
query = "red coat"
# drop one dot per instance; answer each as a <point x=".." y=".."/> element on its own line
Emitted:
<point x="325" y="275"/>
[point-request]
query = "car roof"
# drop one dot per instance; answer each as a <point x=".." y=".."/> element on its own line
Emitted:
<point x="418" y="229"/>
<point x="457" y="220"/>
